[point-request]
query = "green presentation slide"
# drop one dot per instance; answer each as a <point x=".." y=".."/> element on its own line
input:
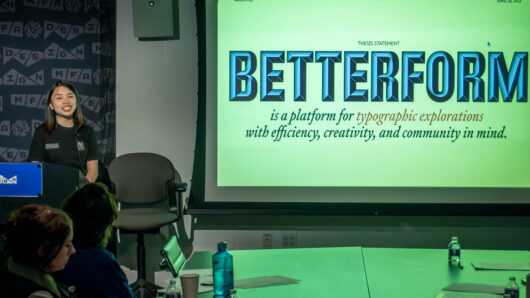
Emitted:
<point x="383" y="93"/>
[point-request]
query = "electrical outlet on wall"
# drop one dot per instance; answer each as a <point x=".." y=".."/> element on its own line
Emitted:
<point x="289" y="240"/>
<point x="267" y="240"/>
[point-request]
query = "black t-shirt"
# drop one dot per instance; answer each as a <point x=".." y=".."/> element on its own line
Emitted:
<point x="65" y="146"/>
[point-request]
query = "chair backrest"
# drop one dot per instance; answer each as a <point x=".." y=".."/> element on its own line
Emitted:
<point x="141" y="177"/>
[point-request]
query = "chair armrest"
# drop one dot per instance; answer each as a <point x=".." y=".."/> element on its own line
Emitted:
<point x="175" y="202"/>
<point x="181" y="186"/>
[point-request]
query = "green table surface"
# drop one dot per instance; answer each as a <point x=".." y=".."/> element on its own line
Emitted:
<point x="323" y="272"/>
<point x="396" y="272"/>
<point x="364" y="272"/>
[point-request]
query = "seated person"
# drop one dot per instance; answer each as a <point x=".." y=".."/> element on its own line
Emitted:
<point x="39" y="241"/>
<point x="93" y="270"/>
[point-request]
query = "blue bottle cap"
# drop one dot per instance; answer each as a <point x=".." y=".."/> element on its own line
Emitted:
<point x="221" y="245"/>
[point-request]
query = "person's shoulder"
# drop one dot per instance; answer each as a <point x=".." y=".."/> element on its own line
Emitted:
<point x="85" y="130"/>
<point x="95" y="254"/>
<point x="109" y="254"/>
<point x="105" y="257"/>
<point x="86" y="127"/>
<point x="40" y="128"/>
<point x="104" y="253"/>
<point x="18" y="286"/>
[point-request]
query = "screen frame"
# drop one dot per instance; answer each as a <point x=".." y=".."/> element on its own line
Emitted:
<point x="198" y="204"/>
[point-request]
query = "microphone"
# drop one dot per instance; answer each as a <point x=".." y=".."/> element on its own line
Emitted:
<point x="80" y="145"/>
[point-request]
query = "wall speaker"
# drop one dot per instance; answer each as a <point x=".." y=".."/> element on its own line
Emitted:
<point x="156" y="19"/>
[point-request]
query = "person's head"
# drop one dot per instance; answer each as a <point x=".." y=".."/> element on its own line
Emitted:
<point x="92" y="209"/>
<point x="40" y="237"/>
<point x="62" y="101"/>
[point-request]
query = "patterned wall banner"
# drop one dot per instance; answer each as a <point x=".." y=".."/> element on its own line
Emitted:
<point x="42" y="41"/>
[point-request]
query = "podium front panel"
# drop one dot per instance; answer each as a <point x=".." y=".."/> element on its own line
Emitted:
<point x="54" y="183"/>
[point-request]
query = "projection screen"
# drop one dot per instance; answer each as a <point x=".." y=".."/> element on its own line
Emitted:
<point x="351" y="101"/>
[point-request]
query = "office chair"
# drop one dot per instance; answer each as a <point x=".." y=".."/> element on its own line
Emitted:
<point x="141" y="180"/>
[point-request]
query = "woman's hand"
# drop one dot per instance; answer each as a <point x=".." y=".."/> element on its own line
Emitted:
<point x="92" y="170"/>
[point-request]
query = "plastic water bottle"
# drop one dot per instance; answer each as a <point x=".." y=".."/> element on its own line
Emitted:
<point x="223" y="270"/>
<point x="454" y="252"/>
<point x="172" y="290"/>
<point x="511" y="289"/>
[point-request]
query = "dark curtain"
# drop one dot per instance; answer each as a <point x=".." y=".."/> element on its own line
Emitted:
<point x="42" y="41"/>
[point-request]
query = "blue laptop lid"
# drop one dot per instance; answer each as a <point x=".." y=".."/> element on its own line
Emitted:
<point x="20" y="179"/>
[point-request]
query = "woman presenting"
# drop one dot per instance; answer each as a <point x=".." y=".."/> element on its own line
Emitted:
<point x="64" y="138"/>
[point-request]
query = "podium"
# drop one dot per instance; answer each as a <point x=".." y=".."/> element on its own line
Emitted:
<point x="40" y="183"/>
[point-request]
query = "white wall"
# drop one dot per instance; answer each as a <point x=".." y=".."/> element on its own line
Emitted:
<point x="156" y="104"/>
<point x="156" y="90"/>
